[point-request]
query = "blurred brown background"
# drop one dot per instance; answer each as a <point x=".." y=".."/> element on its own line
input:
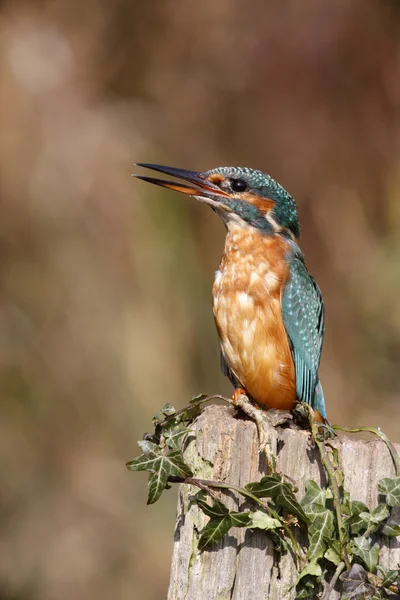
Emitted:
<point x="105" y="281"/>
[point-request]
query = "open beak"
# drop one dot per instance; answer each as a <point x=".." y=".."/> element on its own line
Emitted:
<point x="198" y="185"/>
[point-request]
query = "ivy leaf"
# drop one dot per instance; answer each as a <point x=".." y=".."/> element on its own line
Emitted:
<point x="216" y="511"/>
<point x="177" y="464"/>
<point x="268" y="486"/>
<point x="356" y="507"/>
<point x="281" y="544"/>
<point x="311" y="568"/>
<point x="157" y="484"/>
<point x="314" y="494"/>
<point x="358" y="517"/>
<point x="318" y="518"/>
<point x="240" y="519"/>
<point x="261" y="520"/>
<point x="147" y="446"/>
<point x="368" y="555"/>
<point x="345" y="506"/>
<point x="333" y="552"/>
<point x="320" y="530"/>
<point x="391" y="528"/>
<point x="191" y="413"/>
<point x="214" y="531"/>
<point x="360" y="522"/>
<point x="308" y="581"/>
<point x="166" y="414"/>
<point x="145" y="462"/>
<point x="355" y="584"/>
<point x="389" y="576"/>
<point x="162" y="466"/>
<point x="287" y="499"/>
<point x="172" y="436"/>
<point x="378" y="515"/>
<point x="391" y="489"/>
<point x="332" y="555"/>
<point x="168" y="410"/>
<point x="306" y="592"/>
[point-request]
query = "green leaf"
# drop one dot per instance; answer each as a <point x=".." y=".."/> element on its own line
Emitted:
<point x="268" y="487"/>
<point x="146" y="446"/>
<point x="333" y="556"/>
<point x="320" y="530"/>
<point x="311" y="568"/>
<point x="168" y="410"/>
<point x="306" y="592"/>
<point x="177" y="464"/>
<point x="261" y="520"/>
<point x="216" y="511"/>
<point x="389" y="576"/>
<point x="346" y="503"/>
<point x="214" y="531"/>
<point x="378" y="595"/>
<point x="361" y="548"/>
<point x="314" y="494"/>
<point x="240" y="519"/>
<point x="355" y="584"/>
<point x="162" y="466"/>
<point x="391" y="528"/>
<point x="145" y="462"/>
<point x="359" y="516"/>
<point x="281" y="544"/>
<point x="380" y="513"/>
<point x="172" y="436"/>
<point x="156" y="485"/>
<point x="287" y="499"/>
<point x="357" y="507"/>
<point x="191" y="413"/>
<point x="360" y="522"/>
<point x="391" y="489"/>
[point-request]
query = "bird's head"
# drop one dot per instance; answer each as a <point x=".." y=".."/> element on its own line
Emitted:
<point x="241" y="196"/>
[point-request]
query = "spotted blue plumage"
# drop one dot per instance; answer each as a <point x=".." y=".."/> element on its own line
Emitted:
<point x="303" y="317"/>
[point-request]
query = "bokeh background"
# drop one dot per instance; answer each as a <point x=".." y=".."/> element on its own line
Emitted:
<point x="105" y="281"/>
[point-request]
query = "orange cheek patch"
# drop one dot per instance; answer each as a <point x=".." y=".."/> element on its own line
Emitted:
<point x="263" y="204"/>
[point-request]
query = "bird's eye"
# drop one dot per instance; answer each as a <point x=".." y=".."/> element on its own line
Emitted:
<point x="238" y="185"/>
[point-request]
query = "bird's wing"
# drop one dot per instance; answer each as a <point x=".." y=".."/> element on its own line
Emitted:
<point x="303" y="317"/>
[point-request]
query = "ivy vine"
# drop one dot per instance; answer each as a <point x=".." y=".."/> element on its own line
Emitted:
<point x="342" y="532"/>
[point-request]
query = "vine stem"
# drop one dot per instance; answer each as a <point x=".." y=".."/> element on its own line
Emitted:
<point x="393" y="452"/>
<point x="181" y="411"/>
<point x="332" y="583"/>
<point x="330" y="469"/>
<point x="205" y="483"/>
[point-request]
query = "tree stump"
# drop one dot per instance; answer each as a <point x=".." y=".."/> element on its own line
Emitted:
<point x="244" y="565"/>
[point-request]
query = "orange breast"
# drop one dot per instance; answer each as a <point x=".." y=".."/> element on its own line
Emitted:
<point x="247" y="311"/>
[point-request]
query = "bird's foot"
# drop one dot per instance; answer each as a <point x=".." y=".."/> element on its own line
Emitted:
<point x="237" y="393"/>
<point x="260" y="417"/>
<point x="304" y="414"/>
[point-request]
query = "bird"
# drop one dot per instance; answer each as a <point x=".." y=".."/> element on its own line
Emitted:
<point x="268" y="309"/>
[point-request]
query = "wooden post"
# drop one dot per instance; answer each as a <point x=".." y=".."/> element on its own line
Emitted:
<point x="244" y="565"/>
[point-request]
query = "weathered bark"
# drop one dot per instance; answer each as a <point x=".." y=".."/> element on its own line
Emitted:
<point x="244" y="565"/>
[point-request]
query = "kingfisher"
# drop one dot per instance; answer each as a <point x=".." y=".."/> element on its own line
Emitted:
<point x="268" y="309"/>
